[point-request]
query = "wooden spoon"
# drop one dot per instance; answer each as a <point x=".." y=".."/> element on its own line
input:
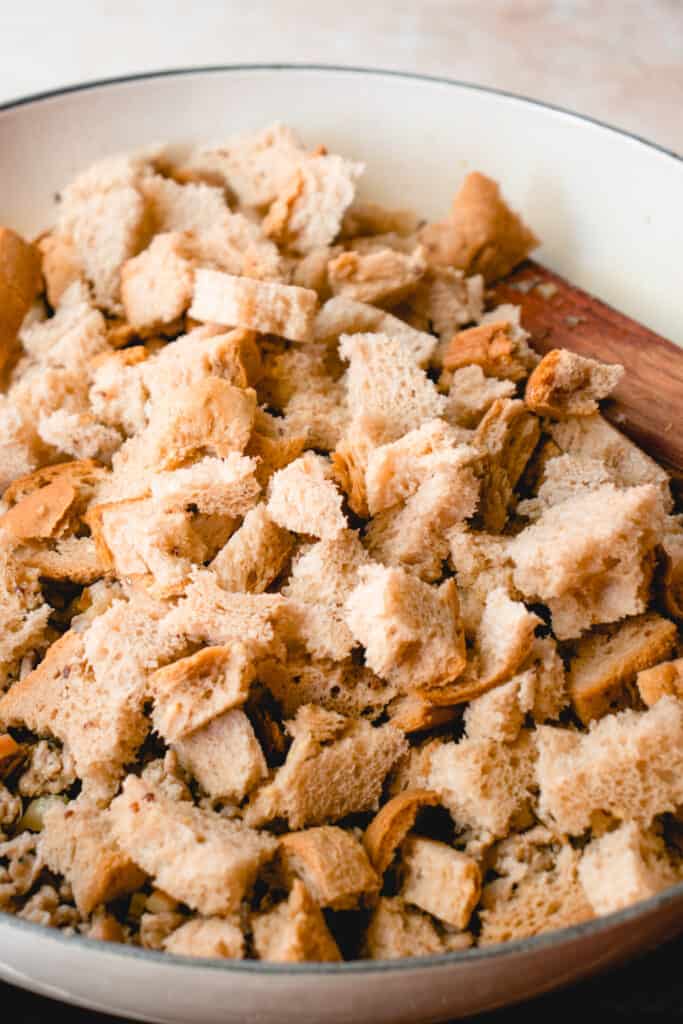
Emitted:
<point x="647" y="403"/>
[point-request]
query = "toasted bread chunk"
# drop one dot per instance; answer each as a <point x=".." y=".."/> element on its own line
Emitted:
<point x="411" y="631"/>
<point x="214" y="937"/>
<point x="41" y="514"/>
<point x="440" y="880"/>
<point x="199" y="857"/>
<point x="661" y="680"/>
<point x="342" y="315"/>
<point x="564" y="477"/>
<point x="308" y="212"/>
<point x="322" y="578"/>
<point x="157" y="285"/>
<point x="350" y="459"/>
<point x="538" y="888"/>
<point x="255" y="554"/>
<point x="20" y="282"/>
<point x="191" y="692"/>
<point x="335" y="766"/>
<point x="482" y="234"/>
<point x="303" y="498"/>
<point x="295" y="931"/>
<point x="414" y="535"/>
<point x="605" y="664"/>
<point x="291" y="370"/>
<point x="508" y="434"/>
<point x="226" y="487"/>
<point x="254" y="168"/>
<point x="341" y="686"/>
<point x="211" y="417"/>
<point x="590" y="559"/>
<point x="21" y="449"/>
<point x="320" y="414"/>
<point x="79" y="435"/>
<point x="60" y="265"/>
<point x="77" y="842"/>
<point x="670" y="579"/>
<point x="566" y="384"/>
<point x="484" y="784"/>
<point x="595" y="438"/>
<point x="624" y="866"/>
<point x="482" y="563"/>
<point x="230" y="241"/>
<point x="471" y="395"/>
<point x="84" y="476"/>
<point x="391" y="825"/>
<point x="224" y="756"/>
<point x="69" y="339"/>
<point x="447" y="300"/>
<point x="118" y="392"/>
<point x="496" y="714"/>
<point x="263" y="306"/>
<point x="101" y="723"/>
<point x="494" y="347"/>
<point x="331" y="863"/>
<point x="138" y="537"/>
<point x="207" y="614"/>
<point x="395" y="471"/>
<point x="107" y="228"/>
<point x="386" y="385"/>
<point x="379" y="276"/>
<point x="311" y="270"/>
<point x="627" y="765"/>
<point x="503" y="641"/>
<point x="397" y="930"/>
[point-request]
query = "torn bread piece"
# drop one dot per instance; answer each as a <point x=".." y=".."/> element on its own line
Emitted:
<point x="411" y="631"/>
<point x="482" y="235"/>
<point x="341" y="686"/>
<point x="499" y="349"/>
<point x="625" y="866"/>
<point x="486" y="785"/>
<point x="191" y="692"/>
<point x="595" y="438"/>
<point x="197" y="856"/>
<point x="563" y="477"/>
<point x="335" y="766"/>
<point x="157" y="285"/>
<point x="446" y="300"/>
<point x="342" y="315"/>
<point x="440" y="880"/>
<point x="332" y="864"/>
<point x="211" y="417"/>
<point x="376" y="277"/>
<point x="397" y="930"/>
<point x="216" y="235"/>
<point x="660" y="681"/>
<point x="504" y="639"/>
<point x="226" y="487"/>
<point x="308" y="212"/>
<point x="482" y="563"/>
<point x="77" y="841"/>
<point x="304" y="499"/>
<point x="224" y="756"/>
<point x="100" y="721"/>
<point x="626" y="765"/>
<point x="263" y="306"/>
<point x="295" y="931"/>
<point x="566" y="384"/>
<point x="60" y="265"/>
<point x="605" y="664"/>
<point x="386" y="385"/>
<point x="508" y="434"/>
<point x="591" y="558"/>
<point x="391" y="825"/>
<point x="471" y="395"/>
<point x="538" y="888"/>
<point x="322" y="577"/>
<point x="351" y="456"/>
<point x="20" y="281"/>
<point x="213" y="937"/>
<point x="255" y="555"/>
<point x="412" y="712"/>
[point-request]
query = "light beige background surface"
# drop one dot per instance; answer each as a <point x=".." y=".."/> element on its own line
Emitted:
<point x="619" y="60"/>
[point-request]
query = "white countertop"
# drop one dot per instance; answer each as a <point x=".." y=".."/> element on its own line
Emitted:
<point x="618" y="60"/>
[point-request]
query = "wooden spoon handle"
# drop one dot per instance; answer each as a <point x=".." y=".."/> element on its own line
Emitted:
<point x="647" y="403"/>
